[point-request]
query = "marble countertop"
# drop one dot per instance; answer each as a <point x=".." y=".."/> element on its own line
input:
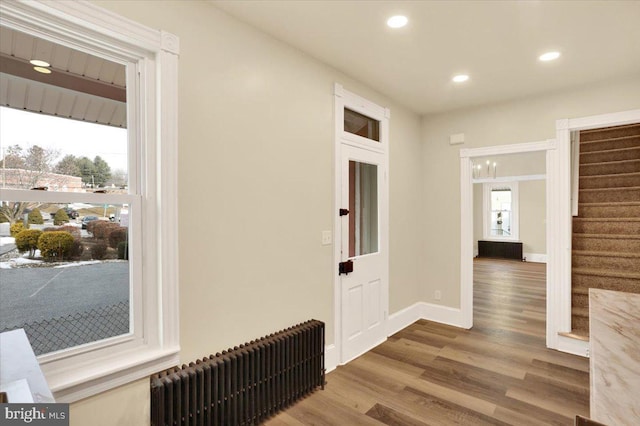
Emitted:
<point x="614" y="347"/>
<point x="18" y="363"/>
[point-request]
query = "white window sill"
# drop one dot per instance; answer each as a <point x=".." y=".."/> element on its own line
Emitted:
<point x="76" y="382"/>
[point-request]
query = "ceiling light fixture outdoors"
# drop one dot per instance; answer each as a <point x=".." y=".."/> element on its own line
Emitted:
<point x="43" y="70"/>
<point x="39" y="63"/>
<point x="397" y="21"/>
<point x="549" y="56"/>
<point x="460" y="78"/>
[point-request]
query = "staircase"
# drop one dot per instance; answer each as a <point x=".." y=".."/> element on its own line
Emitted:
<point x="606" y="232"/>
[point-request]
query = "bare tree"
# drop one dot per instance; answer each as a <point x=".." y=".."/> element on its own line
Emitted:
<point x="26" y="170"/>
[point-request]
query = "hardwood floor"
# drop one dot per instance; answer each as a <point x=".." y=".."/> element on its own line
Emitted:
<point x="498" y="373"/>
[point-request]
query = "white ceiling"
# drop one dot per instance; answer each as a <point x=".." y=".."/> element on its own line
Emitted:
<point x="80" y="87"/>
<point x="496" y="42"/>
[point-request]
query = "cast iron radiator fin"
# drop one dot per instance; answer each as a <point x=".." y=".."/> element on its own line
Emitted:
<point x="244" y="385"/>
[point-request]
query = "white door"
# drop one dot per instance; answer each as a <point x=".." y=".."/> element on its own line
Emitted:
<point x="364" y="291"/>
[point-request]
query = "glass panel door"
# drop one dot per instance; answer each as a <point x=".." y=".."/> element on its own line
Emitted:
<point x="363" y="205"/>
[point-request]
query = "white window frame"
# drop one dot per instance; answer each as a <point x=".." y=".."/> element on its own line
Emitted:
<point x="151" y="57"/>
<point x="486" y="211"/>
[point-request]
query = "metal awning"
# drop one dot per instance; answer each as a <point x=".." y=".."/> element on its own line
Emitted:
<point x="80" y="86"/>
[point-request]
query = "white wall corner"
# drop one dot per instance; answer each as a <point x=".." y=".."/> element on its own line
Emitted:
<point x="404" y="318"/>
<point x="444" y="314"/>
<point x="535" y="257"/>
<point x="387" y="113"/>
<point x="338" y="90"/>
<point x="331" y="358"/>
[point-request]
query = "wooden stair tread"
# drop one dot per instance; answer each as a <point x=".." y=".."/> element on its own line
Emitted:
<point x="617" y="188"/>
<point x="629" y="148"/>
<point x="608" y="236"/>
<point x="580" y="311"/>
<point x="574" y="335"/>
<point x="608" y="139"/>
<point x="611" y="204"/>
<point x="606" y="253"/>
<point x="610" y="162"/>
<point x="607" y="219"/>
<point x="584" y="291"/>
<point x="611" y="175"/>
<point x="605" y="273"/>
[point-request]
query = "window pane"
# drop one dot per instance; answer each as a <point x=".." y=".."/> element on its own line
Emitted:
<point x="501" y="212"/>
<point x="64" y="130"/>
<point x="363" y="208"/>
<point x="361" y="125"/>
<point x="66" y="279"/>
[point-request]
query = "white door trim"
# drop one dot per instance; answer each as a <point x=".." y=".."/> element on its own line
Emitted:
<point x="344" y="98"/>
<point x="559" y="296"/>
<point x="466" y="213"/>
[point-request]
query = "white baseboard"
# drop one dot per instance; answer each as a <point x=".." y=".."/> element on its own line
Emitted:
<point x="404" y="318"/>
<point x="572" y="346"/>
<point x="426" y="311"/>
<point x="442" y="314"/>
<point x="535" y="257"/>
<point x="331" y="358"/>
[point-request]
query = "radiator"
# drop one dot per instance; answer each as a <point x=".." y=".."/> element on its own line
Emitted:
<point x="244" y="385"/>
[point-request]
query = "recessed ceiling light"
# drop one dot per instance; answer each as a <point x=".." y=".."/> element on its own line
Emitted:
<point x="460" y="78"/>
<point x="39" y="63"/>
<point x="43" y="70"/>
<point x="397" y="21"/>
<point x="549" y="56"/>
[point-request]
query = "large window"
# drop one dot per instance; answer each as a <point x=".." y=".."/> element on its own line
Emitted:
<point x="83" y="141"/>
<point x="500" y="211"/>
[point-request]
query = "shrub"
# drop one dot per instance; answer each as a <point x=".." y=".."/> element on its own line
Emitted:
<point x="90" y="226"/>
<point x="73" y="230"/>
<point x="123" y="250"/>
<point x="27" y="240"/>
<point x="102" y="229"/>
<point x="55" y="245"/>
<point x="118" y="235"/>
<point x="16" y="228"/>
<point x="76" y="249"/>
<point x="98" y="251"/>
<point x="61" y="217"/>
<point x="35" y="217"/>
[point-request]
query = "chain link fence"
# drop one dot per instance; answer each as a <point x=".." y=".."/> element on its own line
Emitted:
<point x="76" y="329"/>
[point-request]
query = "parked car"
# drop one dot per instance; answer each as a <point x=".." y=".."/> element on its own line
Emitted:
<point x="88" y="219"/>
<point x="71" y="213"/>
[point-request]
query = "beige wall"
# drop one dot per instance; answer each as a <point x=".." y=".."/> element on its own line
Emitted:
<point x="533" y="226"/>
<point x="527" y="120"/>
<point x="256" y="125"/>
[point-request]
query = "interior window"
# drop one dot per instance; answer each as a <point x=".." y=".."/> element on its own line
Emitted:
<point x="361" y="125"/>
<point x="501" y="211"/>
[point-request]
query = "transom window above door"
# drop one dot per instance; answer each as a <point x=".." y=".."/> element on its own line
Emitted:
<point x="361" y="125"/>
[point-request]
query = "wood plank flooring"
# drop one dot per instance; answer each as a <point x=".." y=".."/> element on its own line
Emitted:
<point x="498" y="373"/>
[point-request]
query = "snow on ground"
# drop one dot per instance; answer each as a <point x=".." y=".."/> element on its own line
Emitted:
<point x="85" y="262"/>
<point x="7" y="240"/>
<point x="25" y="261"/>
